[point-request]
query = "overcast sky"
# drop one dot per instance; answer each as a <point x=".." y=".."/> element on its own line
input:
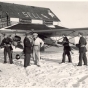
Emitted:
<point x="71" y="13"/>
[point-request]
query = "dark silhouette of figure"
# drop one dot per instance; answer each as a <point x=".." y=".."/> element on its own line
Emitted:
<point x="66" y="49"/>
<point x="27" y="50"/>
<point x="6" y="44"/>
<point x="82" y="49"/>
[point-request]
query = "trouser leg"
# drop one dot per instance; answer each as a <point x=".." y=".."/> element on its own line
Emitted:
<point x="69" y="57"/>
<point x="34" y="57"/>
<point x="80" y="59"/>
<point x="36" y="54"/>
<point x="38" y="57"/>
<point x="25" y="61"/>
<point x="28" y="59"/>
<point x="5" y="55"/>
<point x="84" y="59"/>
<point x="10" y="57"/>
<point x="63" y="59"/>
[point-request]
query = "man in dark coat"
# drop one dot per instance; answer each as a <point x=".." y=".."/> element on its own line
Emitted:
<point x="82" y="49"/>
<point x="66" y="50"/>
<point x="27" y="50"/>
<point x="6" y="43"/>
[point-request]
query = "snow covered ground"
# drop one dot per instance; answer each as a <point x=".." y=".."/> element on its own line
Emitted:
<point x="51" y="74"/>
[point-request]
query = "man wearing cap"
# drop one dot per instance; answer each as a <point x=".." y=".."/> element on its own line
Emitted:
<point x="27" y="50"/>
<point x="6" y="43"/>
<point x="66" y="50"/>
<point x="37" y="44"/>
<point x="82" y="49"/>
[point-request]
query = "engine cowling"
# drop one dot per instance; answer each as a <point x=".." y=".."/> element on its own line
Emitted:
<point x="17" y="38"/>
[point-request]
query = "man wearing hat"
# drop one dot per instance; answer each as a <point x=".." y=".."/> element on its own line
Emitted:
<point x="37" y="44"/>
<point x="66" y="49"/>
<point x="6" y="43"/>
<point x="27" y="50"/>
<point x="82" y="49"/>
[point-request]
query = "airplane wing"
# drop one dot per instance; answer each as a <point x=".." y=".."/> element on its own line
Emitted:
<point x="45" y="31"/>
<point x="50" y="32"/>
<point x="59" y="32"/>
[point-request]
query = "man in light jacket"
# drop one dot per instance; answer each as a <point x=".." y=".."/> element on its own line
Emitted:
<point x="37" y="44"/>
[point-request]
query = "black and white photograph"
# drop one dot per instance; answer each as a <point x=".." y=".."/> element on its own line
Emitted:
<point x="43" y="44"/>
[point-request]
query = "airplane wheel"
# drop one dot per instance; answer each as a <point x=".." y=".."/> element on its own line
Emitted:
<point x="17" y="56"/>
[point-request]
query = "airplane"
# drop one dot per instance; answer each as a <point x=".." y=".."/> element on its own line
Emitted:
<point x="45" y="34"/>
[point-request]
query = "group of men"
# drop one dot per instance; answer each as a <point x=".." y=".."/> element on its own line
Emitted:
<point x="32" y="47"/>
<point x="81" y="46"/>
